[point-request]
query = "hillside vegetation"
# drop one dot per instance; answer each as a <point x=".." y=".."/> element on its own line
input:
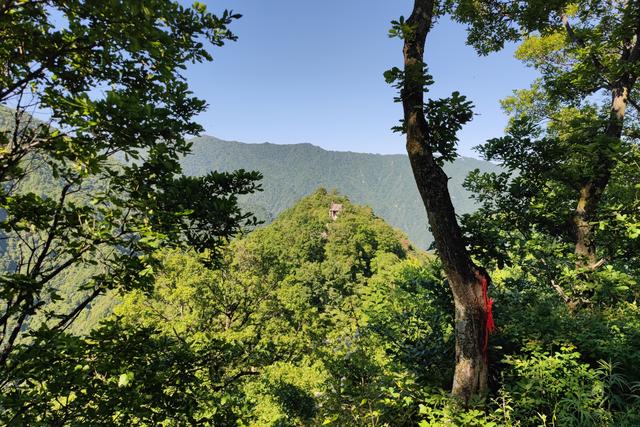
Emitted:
<point x="319" y="321"/>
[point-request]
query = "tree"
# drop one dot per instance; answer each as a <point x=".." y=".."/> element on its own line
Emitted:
<point x="431" y="129"/>
<point x="525" y="211"/>
<point x="107" y="75"/>
<point x="586" y="51"/>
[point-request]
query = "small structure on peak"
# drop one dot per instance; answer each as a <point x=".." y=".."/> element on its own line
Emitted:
<point x="335" y="209"/>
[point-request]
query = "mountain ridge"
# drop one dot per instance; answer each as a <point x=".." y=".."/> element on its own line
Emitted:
<point x="292" y="171"/>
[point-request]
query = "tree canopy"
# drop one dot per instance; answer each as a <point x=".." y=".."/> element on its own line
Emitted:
<point x="135" y="294"/>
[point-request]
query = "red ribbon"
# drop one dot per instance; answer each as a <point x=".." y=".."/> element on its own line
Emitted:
<point x="489" y="326"/>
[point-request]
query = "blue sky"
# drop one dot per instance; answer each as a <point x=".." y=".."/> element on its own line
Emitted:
<point x="311" y="71"/>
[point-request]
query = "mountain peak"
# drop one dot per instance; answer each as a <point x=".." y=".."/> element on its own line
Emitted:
<point x="381" y="181"/>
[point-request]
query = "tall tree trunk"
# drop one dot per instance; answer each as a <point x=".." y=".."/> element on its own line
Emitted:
<point x="464" y="277"/>
<point x="591" y="191"/>
<point x="585" y="213"/>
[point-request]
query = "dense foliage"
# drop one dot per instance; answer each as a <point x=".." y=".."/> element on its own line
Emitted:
<point x="76" y="223"/>
<point x="301" y="322"/>
<point x="570" y="191"/>
<point x="135" y="294"/>
<point x="310" y="321"/>
<point x="297" y="306"/>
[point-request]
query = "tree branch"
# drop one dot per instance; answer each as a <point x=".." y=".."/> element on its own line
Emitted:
<point x="68" y="319"/>
<point x="52" y="231"/>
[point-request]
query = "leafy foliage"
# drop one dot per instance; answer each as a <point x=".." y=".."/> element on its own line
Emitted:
<point x="76" y="222"/>
<point x="312" y="321"/>
<point x="570" y="149"/>
<point x="445" y="116"/>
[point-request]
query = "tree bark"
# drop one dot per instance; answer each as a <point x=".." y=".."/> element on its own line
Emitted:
<point x="471" y="370"/>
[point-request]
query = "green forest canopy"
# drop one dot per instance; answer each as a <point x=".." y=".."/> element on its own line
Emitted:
<point x="136" y="293"/>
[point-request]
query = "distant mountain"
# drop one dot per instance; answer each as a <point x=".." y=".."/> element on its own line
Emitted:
<point x="383" y="182"/>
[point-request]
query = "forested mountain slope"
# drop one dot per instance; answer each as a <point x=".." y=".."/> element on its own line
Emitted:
<point x="383" y="182"/>
<point x="297" y="318"/>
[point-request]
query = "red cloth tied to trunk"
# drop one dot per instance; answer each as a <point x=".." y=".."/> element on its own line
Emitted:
<point x="489" y="326"/>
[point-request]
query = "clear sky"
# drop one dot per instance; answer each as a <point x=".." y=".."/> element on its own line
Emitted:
<point x="311" y="71"/>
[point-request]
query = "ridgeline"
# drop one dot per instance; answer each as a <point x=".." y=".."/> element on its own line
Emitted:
<point x="383" y="182"/>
